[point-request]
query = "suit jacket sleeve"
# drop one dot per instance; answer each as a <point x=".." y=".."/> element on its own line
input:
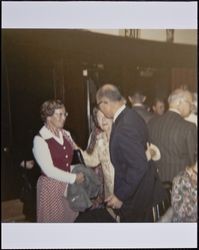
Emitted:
<point x="132" y="163"/>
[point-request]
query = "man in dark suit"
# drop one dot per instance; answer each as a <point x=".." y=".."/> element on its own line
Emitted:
<point x="174" y="136"/>
<point x="136" y="187"/>
<point x="137" y="101"/>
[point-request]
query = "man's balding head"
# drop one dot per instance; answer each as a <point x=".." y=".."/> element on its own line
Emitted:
<point x="109" y="91"/>
<point x="109" y="99"/>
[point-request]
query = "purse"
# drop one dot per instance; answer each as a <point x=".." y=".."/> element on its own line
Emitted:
<point x="77" y="158"/>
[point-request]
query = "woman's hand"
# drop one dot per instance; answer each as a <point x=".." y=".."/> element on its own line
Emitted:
<point x="152" y="152"/>
<point x="79" y="178"/>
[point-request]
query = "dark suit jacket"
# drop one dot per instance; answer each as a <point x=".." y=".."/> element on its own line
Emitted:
<point x="176" y="139"/>
<point x="134" y="182"/>
<point x="141" y="110"/>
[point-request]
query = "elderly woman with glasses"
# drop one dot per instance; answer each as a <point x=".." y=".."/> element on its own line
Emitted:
<point x="53" y="150"/>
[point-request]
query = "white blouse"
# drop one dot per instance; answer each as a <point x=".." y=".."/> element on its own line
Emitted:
<point x="42" y="155"/>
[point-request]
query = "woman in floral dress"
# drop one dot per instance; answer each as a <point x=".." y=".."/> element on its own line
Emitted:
<point x="184" y="196"/>
<point x="98" y="150"/>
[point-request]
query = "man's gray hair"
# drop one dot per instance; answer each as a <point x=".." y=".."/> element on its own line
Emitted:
<point x="109" y="91"/>
<point x="177" y="95"/>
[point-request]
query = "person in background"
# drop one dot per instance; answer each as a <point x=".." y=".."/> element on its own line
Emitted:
<point x="195" y="103"/>
<point x="184" y="195"/>
<point x="193" y="115"/>
<point x="53" y="151"/>
<point x="137" y="101"/>
<point x="158" y="106"/>
<point x="29" y="174"/>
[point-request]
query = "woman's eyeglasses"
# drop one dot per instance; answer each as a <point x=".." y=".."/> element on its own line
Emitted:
<point x="61" y="114"/>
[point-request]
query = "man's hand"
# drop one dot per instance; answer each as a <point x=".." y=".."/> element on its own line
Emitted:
<point x="79" y="178"/>
<point x="114" y="202"/>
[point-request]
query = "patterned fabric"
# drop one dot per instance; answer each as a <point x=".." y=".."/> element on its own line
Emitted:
<point x="51" y="205"/>
<point x="101" y="156"/>
<point x="184" y="198"/>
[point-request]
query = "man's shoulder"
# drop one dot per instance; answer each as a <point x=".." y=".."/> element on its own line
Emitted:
<point x="132" y="117"/>
<point x="130" y="120"/>
<point x="165" y="118"/>
<point x="189" y="125"/>
<point x="131" y="112"/>
<point x="155" y="119"/>
<point x="182" y="122"/>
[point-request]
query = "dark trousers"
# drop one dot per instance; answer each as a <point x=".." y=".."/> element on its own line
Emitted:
<point x="95" y="215"/>
<point x="102" y="215"/>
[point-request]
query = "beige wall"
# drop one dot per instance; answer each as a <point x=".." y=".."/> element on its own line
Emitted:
<point x="183" y="36"/>
<point x="186" y="36"/>
<point x="106" y="31"/>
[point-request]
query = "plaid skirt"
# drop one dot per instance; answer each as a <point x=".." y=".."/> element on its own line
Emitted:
<point x="52" y="206"/>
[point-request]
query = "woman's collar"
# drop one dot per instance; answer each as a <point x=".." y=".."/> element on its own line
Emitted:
<point x="45" y="133"/>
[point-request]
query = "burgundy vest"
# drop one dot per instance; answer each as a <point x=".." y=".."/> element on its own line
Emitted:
<point x="61" y="154"/>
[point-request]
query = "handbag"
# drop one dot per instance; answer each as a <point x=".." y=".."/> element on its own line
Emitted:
<point x="77" y="158"/>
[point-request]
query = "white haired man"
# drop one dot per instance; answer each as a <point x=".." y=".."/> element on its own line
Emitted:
<point x="174" y="136"/>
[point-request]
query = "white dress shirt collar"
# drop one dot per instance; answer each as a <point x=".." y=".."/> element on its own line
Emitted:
<point x="138" y="105"/>
<point x="118" y="112"/>
<point x="174" y="110"/>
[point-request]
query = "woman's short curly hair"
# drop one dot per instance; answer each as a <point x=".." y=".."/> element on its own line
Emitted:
<point x="48" y="108"/>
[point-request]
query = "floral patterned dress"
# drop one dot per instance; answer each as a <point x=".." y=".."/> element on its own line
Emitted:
<point x="184" y="198"/>
<point x="101" y="155"/>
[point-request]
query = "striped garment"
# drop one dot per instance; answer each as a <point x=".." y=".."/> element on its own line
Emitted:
<point x="176" y="140"/>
